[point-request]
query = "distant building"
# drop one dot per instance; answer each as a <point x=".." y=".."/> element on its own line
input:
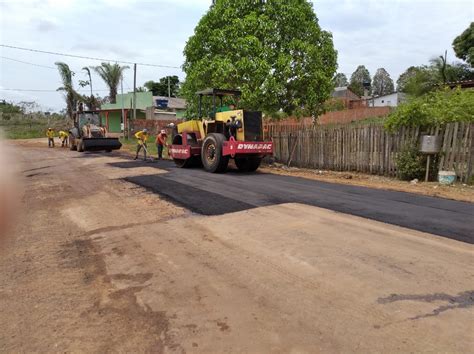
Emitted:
<point x="347" y="97"/>
<point x="111" y="113"/>
<point x="166" y="108"/>
<point x="390" y="100"/>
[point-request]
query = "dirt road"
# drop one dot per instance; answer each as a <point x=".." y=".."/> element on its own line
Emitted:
<point x="99" y="264"/>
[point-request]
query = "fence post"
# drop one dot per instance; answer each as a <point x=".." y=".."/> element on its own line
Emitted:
<point x="471" y="155"/>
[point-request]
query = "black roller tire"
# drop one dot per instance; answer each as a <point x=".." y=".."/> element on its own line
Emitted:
<point x="193" y="161"/>
<point x="248" y="164"/>
<point x="108" y="150"/>
<point x="211" y="153"/>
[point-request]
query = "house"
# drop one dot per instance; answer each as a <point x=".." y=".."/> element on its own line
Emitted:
<point x="349" y="99"/>
<point x="390" y="100"/>
<point x="111" y="113"/>
<point x="166" y="108"/>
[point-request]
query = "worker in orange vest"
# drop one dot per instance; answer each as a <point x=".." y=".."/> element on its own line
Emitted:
<point x="161" y="143"/>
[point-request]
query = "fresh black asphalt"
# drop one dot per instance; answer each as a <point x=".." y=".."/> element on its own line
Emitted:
<point x="213" y="194"/>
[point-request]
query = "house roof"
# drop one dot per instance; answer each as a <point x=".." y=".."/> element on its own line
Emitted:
<point x="343" y="91"/>
<point x="462" y="84"/>
<point x="219" y="92"/>
<point x="173" y="102"/>
<point x="144" y="100"/>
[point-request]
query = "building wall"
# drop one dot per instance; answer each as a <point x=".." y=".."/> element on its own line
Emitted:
<point x="388" y="100"/>
<point x="153" y="126"/>
<point x="352" y="115"/>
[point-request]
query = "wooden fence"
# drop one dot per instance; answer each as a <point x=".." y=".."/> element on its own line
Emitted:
<point x="370" y="148"/>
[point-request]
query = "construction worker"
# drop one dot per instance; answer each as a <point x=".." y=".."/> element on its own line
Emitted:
<point x="161" y="143"/>
<point x="50" y="135"/>
<point x="64" y="137"/>
<point x="142" y="137"/>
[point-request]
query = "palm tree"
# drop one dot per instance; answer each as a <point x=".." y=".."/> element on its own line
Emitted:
<point x="86" y="69"/>
<point x="70" y="94"/>
<point x="111" y="74"/>
<point x="91" y="101"/>
<point x="440" y="63"/>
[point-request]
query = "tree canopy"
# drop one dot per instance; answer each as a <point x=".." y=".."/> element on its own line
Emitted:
<point x="273" y="51"/>
<point x="340" y="80"/>
<point x="419" y="80"/>
<point x="359" y="77"/>
<point x="111" y="74"/>
<point x="160" y="88"/>
<point x="463" y="45"/>
<point x="435" y="108"/>
<point x="382" y="84"/>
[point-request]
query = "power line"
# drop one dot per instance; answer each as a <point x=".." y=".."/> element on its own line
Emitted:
<point x="90" y="58"/>
<point x="25" y="62"/>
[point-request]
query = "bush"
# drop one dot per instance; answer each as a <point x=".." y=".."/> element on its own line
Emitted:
<point x="411" y="164"/>
<point x="434" y="109"/>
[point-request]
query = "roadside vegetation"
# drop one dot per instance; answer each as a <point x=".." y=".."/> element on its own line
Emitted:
<point x="16" y="123"/>
<point x="434" y="109"/>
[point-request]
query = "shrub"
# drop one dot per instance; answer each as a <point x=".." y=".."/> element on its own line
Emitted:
<point x="411" y="164"/>
<point x="434" y="109"/>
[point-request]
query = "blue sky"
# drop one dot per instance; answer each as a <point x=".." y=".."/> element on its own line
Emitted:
<point x="390" y="34"/>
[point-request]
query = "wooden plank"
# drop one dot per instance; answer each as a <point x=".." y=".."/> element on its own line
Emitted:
<point x="453" y="147"/>
<point x="470" y="164"/>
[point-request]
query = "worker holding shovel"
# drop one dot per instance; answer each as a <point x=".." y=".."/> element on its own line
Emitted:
<point x="142" y="137"/>
<point x="63" y="136"/>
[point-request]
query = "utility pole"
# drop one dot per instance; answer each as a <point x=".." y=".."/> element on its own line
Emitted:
<point x="123" y="110"/>
<point x="169" y="87"/>
<point x="134" y="94"/>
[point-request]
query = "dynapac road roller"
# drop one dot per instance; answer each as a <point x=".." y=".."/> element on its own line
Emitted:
<point x="227" y="133"/>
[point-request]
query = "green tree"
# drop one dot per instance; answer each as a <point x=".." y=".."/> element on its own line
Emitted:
<point x="7" y="107"/>
<point x="340" y="80"/>
<point x="160" y="88"/>
<point x="273" y="51"/>
<point x="404" y="78"/>
<point x="359" y="78"/>
<point x="70" y="95"/>
<point x="382" y="84"/>
<point x="419" y="80"/>
<point x="440" y="64"/>
<point x="111" y="74"/>
<point x="91" y="101"/>
<point x="459" y="72"/>
<point x="463" y="45"/>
